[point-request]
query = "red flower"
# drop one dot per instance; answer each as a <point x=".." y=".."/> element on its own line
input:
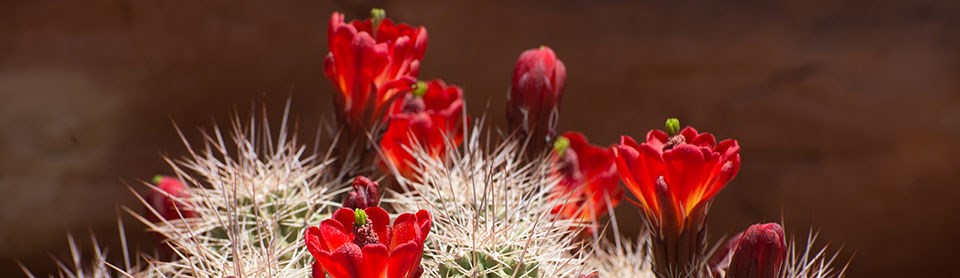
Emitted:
<point x="365" y="193"/>
<point x="675" y="175"/>
<point x="693" y="166"/>
<point x="430" y="117"/>
<point x="759" y="253"/>
<point x="534" y="100"/>
<point x="588" y="179"/>
<point x="167" y="199"/>
<point x="370" y="62"/>
<point x="361" y="243"/>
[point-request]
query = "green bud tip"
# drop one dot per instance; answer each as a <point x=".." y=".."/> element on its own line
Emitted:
<point x="561" y="145"/>
<point x="673" y="126"/>
<point x="360" y="217"/>
<point x="420" y="89"/>
<point x="157" y="179"/>
<point x="377" y="16"/>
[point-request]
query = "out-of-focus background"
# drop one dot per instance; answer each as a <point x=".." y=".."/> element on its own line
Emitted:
<point x="848" y="111"/>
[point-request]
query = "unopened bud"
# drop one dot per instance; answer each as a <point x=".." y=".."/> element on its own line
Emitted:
<point x="533" y="102"/>
<point x="168" y="199"/>
<point x="760" y="252"/>
<point x="365" y="194"/>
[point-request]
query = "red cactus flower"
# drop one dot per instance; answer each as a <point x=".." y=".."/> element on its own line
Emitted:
<point x="365" y="193"/>
<point x="168" y="199"/>
<point x="691" y="163"/>
<point x="533" y="102"/>
<point x="674" y="175"/>
<point x="588" y="179"/>
<point x="759" y="253"/>
<point x="362" y="243"/>
<point x="430" y="117"/>
<point x="370" y="62"/>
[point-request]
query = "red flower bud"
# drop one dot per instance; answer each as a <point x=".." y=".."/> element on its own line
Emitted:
<point x="588" y="179"/>
<point x="759" y="253"/>
<point x="345" y="248"/>
<point x="365" y="194"/>
<point x="533" y="102"/>
<point x="426" y="121"/>
<point x="370" y="63"/>
<point x="167" y="199"/>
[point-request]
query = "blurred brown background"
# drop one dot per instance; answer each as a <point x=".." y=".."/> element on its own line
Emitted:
<point x="848" y="111"/>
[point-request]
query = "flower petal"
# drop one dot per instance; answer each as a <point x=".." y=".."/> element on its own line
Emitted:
<point x="404" y="260"/>
<point x="314" y="242"/>
<point x="704" y="140"/>
<point x="333" y="235"/>
<point x="381" y="223"/>
<point x="656" y="138"/>
<point x="687" y="172"/>
<point x="316" y="270"/>
<point x="375" y="258"/>
<point x="689" y="133"/>
<point x="343" y="262"/>
<point x="424" y="221"/>
<point x="405" y="229"/>
<point x="345" y="217"/>
<point x="639" y="168"/>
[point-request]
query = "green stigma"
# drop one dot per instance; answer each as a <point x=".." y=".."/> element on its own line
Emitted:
<point x="157" y="179"/>
<point x="673" y="126"/>
<point x="420" y="89"/>
<point x="360" y="217"/>
<point x="561" y="145"/>
<point x="377" y="16"/>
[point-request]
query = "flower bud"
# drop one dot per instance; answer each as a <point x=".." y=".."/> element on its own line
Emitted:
<point x="760" y="252"/>
<point x="365" y="194"/>
<point x="533" y="102"/>
<point x="168" y="200"/>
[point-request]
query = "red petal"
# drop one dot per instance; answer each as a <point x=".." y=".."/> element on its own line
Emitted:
<point x="687" y="173"/>
<point x="689" y="133"/>
<point x="629" y="142"/>
<point x="344" y="262"/>
<point x="656" y="138"/>
<point x="639" y="169"/>
<point x="333" y="235"/>
<point x="316" y="270"/>
<point x="405" y="229"/>
<point x="392" y="144"/>
<point x="704" y="140"/>
<point x="727" y="168"/>
<point x="404" y="260"/>
<point x="424" y="220"/>
<point x="381" y="223"/>
<point x="313" y="241"/>
<point x="345" y="216"/>
<point x="375" y="258"/>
